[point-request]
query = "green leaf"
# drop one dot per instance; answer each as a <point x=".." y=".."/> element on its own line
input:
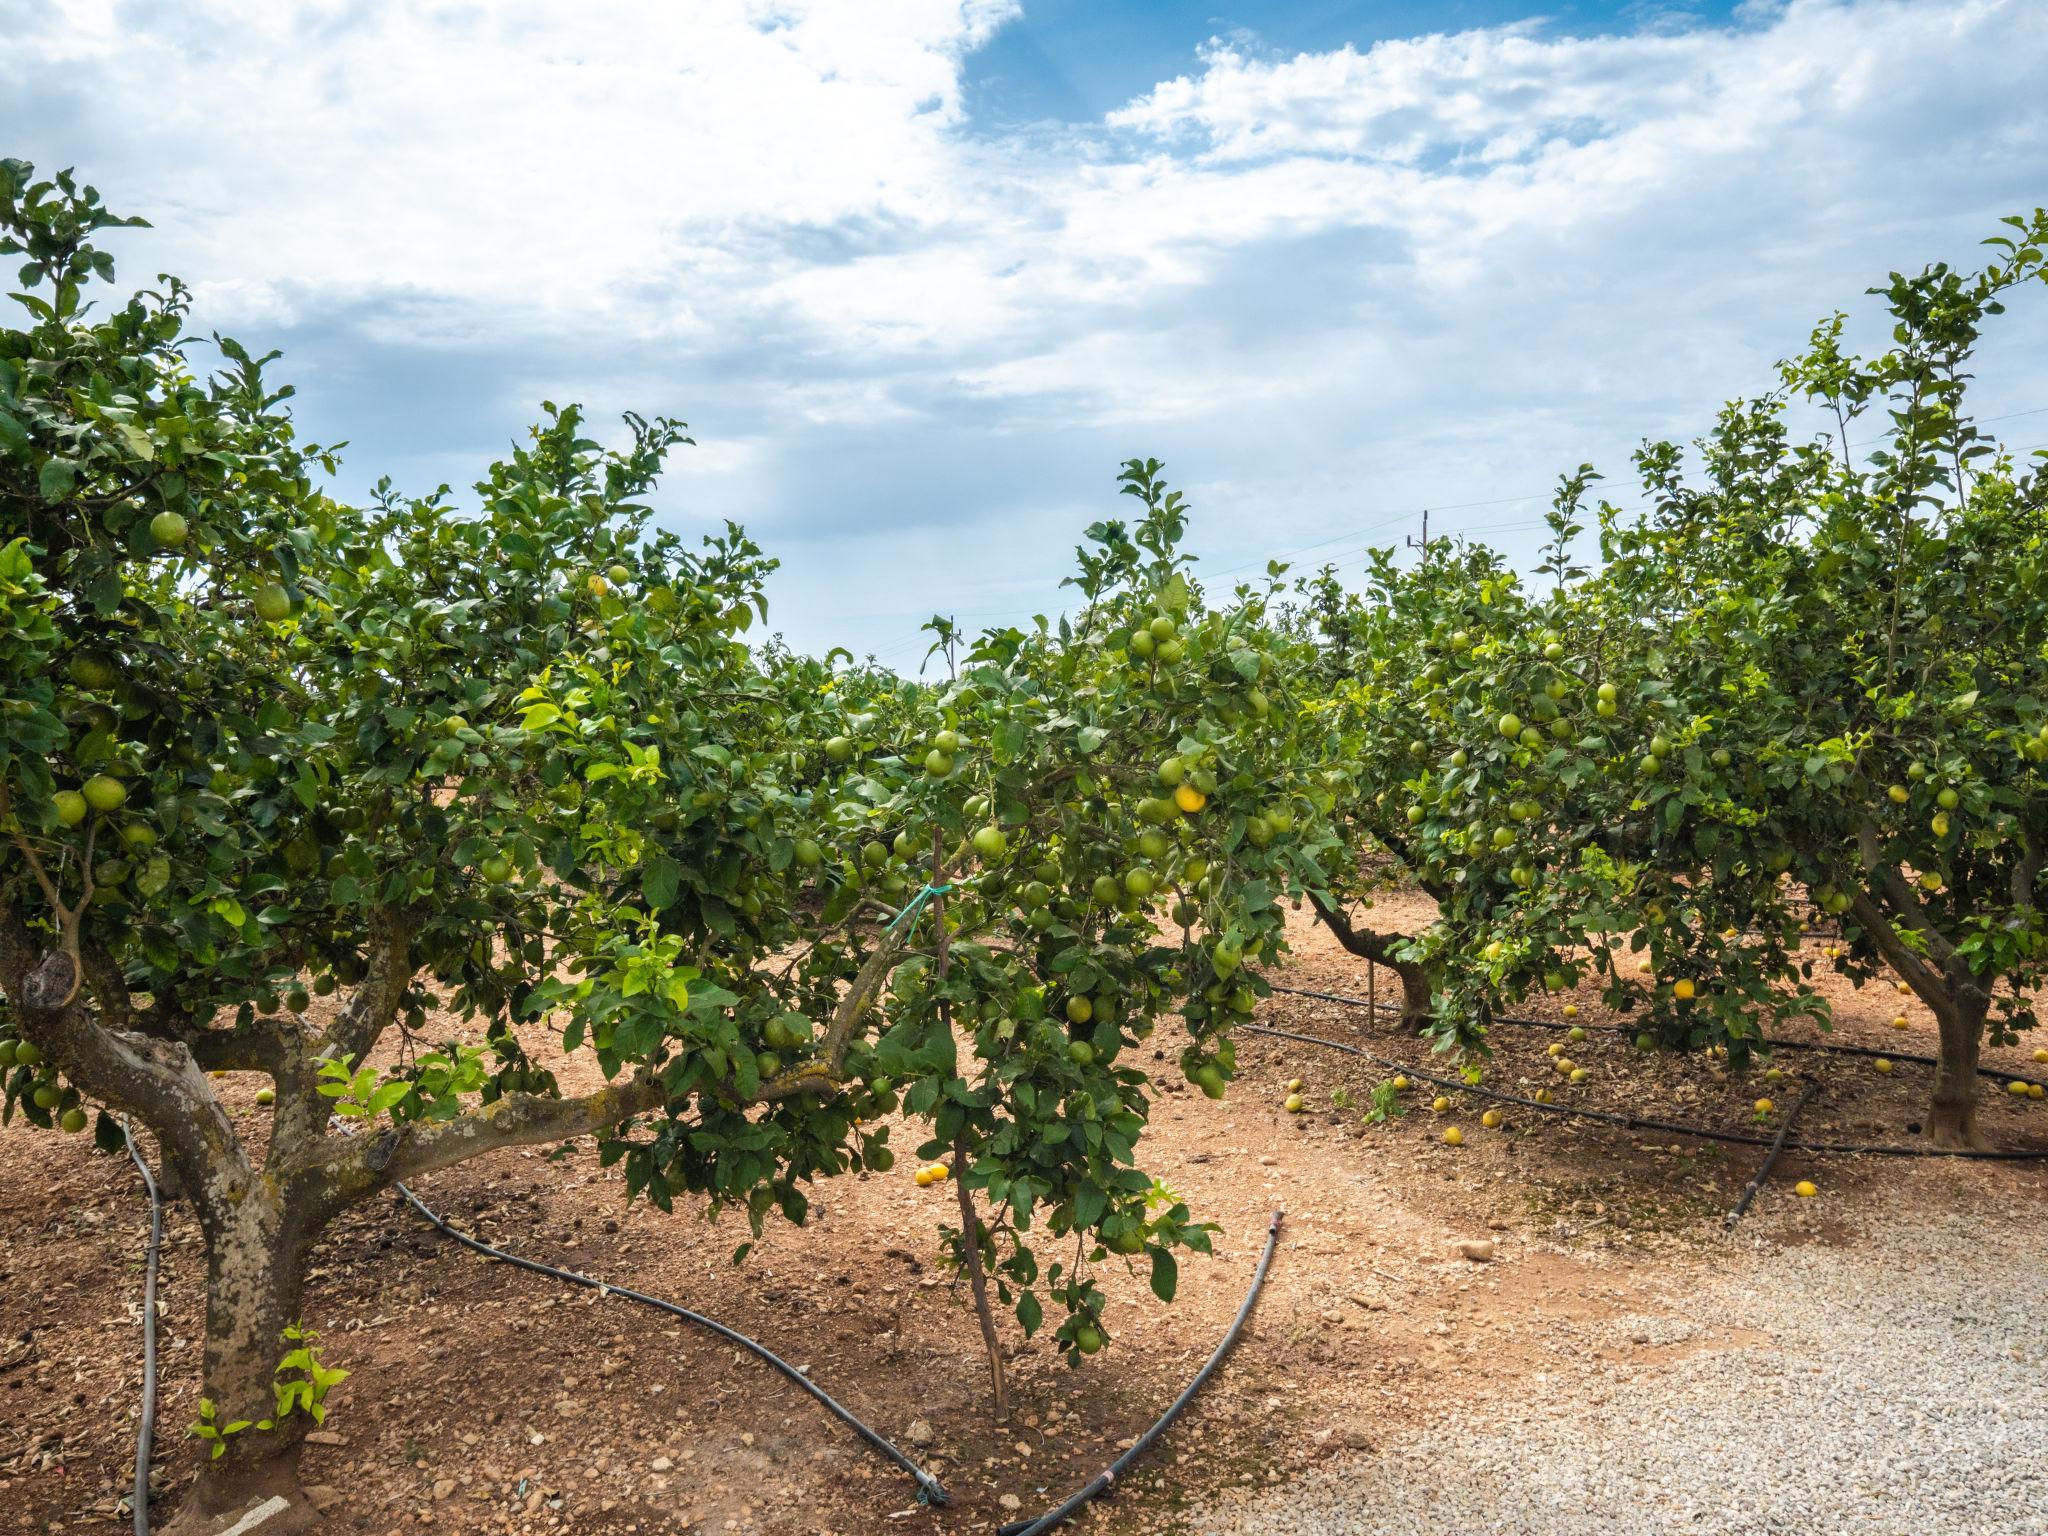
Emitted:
<point x="661" y="881"/>
<point x="1165" y="1274"/>
<point x="56" y="478"/>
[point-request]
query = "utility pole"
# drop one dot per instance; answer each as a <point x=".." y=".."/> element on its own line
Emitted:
<point x="1424" y="544"/>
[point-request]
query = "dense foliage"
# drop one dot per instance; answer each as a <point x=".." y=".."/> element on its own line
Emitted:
<point x="516" y="762"/>
<point x="287" y="784"/>
<point x="1808" y="678"/>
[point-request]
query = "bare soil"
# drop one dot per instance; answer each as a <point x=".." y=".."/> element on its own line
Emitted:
<point x="486" y="1399"/>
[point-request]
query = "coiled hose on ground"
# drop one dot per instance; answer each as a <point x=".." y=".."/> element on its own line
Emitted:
<point x="928" y="1489"/>
<point x="1106" y="1479"/>
<point x="145" y="1426"/>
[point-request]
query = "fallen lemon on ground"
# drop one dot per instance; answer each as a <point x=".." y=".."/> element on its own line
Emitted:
<point x="1293" y="1105"/>
<point x="1491" y="1119"/>
<point x="2017" y="1085"/>
<point x="1542" y="1095"/>
<point x="1400" y="1085"/>
<point x="1580" y="1074"/>
<point x="1294" y="1085"/>
<point x="1882" y="1064"/>
<point x="1571" y="1010"/>
<point x="1805" y="1189"/>
<point x="932" y="1175"/>
<point x="1764" y="1106"/>
<point x="1454" y="1137"/>
<point x="2041" y="1055"/>
<point x="1900" y="1022"/>
<point x="1440" y="1103"/>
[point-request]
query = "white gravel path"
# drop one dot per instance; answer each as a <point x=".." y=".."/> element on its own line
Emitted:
<point x="1904" y="1393"/>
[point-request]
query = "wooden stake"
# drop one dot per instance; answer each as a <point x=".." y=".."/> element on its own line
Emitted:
<point x="970" y="1240"/>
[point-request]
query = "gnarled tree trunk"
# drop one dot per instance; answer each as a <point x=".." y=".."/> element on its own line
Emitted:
<point x="1952" y="1117"/>
<point x="256" y="1256"/>
<point x="1418" y="991"/>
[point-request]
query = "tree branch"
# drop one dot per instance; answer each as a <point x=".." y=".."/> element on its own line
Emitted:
<point x="1947" y="975"/>
<point x="348" y="1171"/>
<point x="374" y="1004"/>
<point x="154" y="1080"/>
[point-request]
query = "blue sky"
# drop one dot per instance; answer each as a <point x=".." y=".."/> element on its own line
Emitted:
<point x="921" y="273"/>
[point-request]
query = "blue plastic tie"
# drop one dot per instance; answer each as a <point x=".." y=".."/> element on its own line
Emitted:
<point x="914" y="908"/>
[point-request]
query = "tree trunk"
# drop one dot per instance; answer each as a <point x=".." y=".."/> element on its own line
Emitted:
<point x="1418" y="990"/>
<point x="1418" y="997"/>
<point x="255" y="1276"/>
<point x="1952" y="1118"/>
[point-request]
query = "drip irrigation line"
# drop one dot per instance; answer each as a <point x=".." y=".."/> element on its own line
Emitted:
<point x="1824" y="1047"/>
<point x="928" y="1489"/>
<point x="1637" y="1123"/>
<point x="1757" y="1182"/>
<point x="145" y="1426"/>
<point x="1038" y="1525"/>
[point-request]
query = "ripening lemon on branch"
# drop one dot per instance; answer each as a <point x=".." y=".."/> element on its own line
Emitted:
<point x="1189" y="799"/>
<point x="1682" y="989"/>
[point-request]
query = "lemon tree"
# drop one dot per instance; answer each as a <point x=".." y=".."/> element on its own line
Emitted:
<point x="1849" y="634"/>
<point x="1116" y="807"/>
<point x="1502" y="734"/>
<point x="285" y="780"/>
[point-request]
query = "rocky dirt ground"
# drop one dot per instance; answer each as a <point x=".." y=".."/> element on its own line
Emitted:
<point x="484" y="1399"/>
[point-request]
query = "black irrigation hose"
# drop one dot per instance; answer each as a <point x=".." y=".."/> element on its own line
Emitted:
<point x="145" y="1428"/>
<point x="1822" y="1046"/>
<point x="1038" y="1525"/>
<point x="928" y="1489"/>
<point x="1763" y="1172"/>
<point x="1635" y="1123"/>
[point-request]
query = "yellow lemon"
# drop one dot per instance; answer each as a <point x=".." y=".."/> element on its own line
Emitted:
<point x="1439" y="1103"/>
<point x="1454" y="1137"/>
<point x="1682" y="990"/>
<point x="1805" y="1189"/>
<point x="1189" y="798"/>
<point x="1293" y="1105"/>
<point x="1491" y="1119"/>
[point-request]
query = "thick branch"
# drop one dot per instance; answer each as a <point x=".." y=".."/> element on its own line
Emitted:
<point x="374" y="1003"/>
<point x="1366" y="943"/>
<point x="349" y="1171"/>
<point x="2026" y="870"/>
<point x="1946" y="974"/>
<point x="156" y="1081"/>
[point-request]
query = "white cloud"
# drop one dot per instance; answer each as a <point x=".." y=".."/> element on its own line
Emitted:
<point x="1325" y="287"/>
